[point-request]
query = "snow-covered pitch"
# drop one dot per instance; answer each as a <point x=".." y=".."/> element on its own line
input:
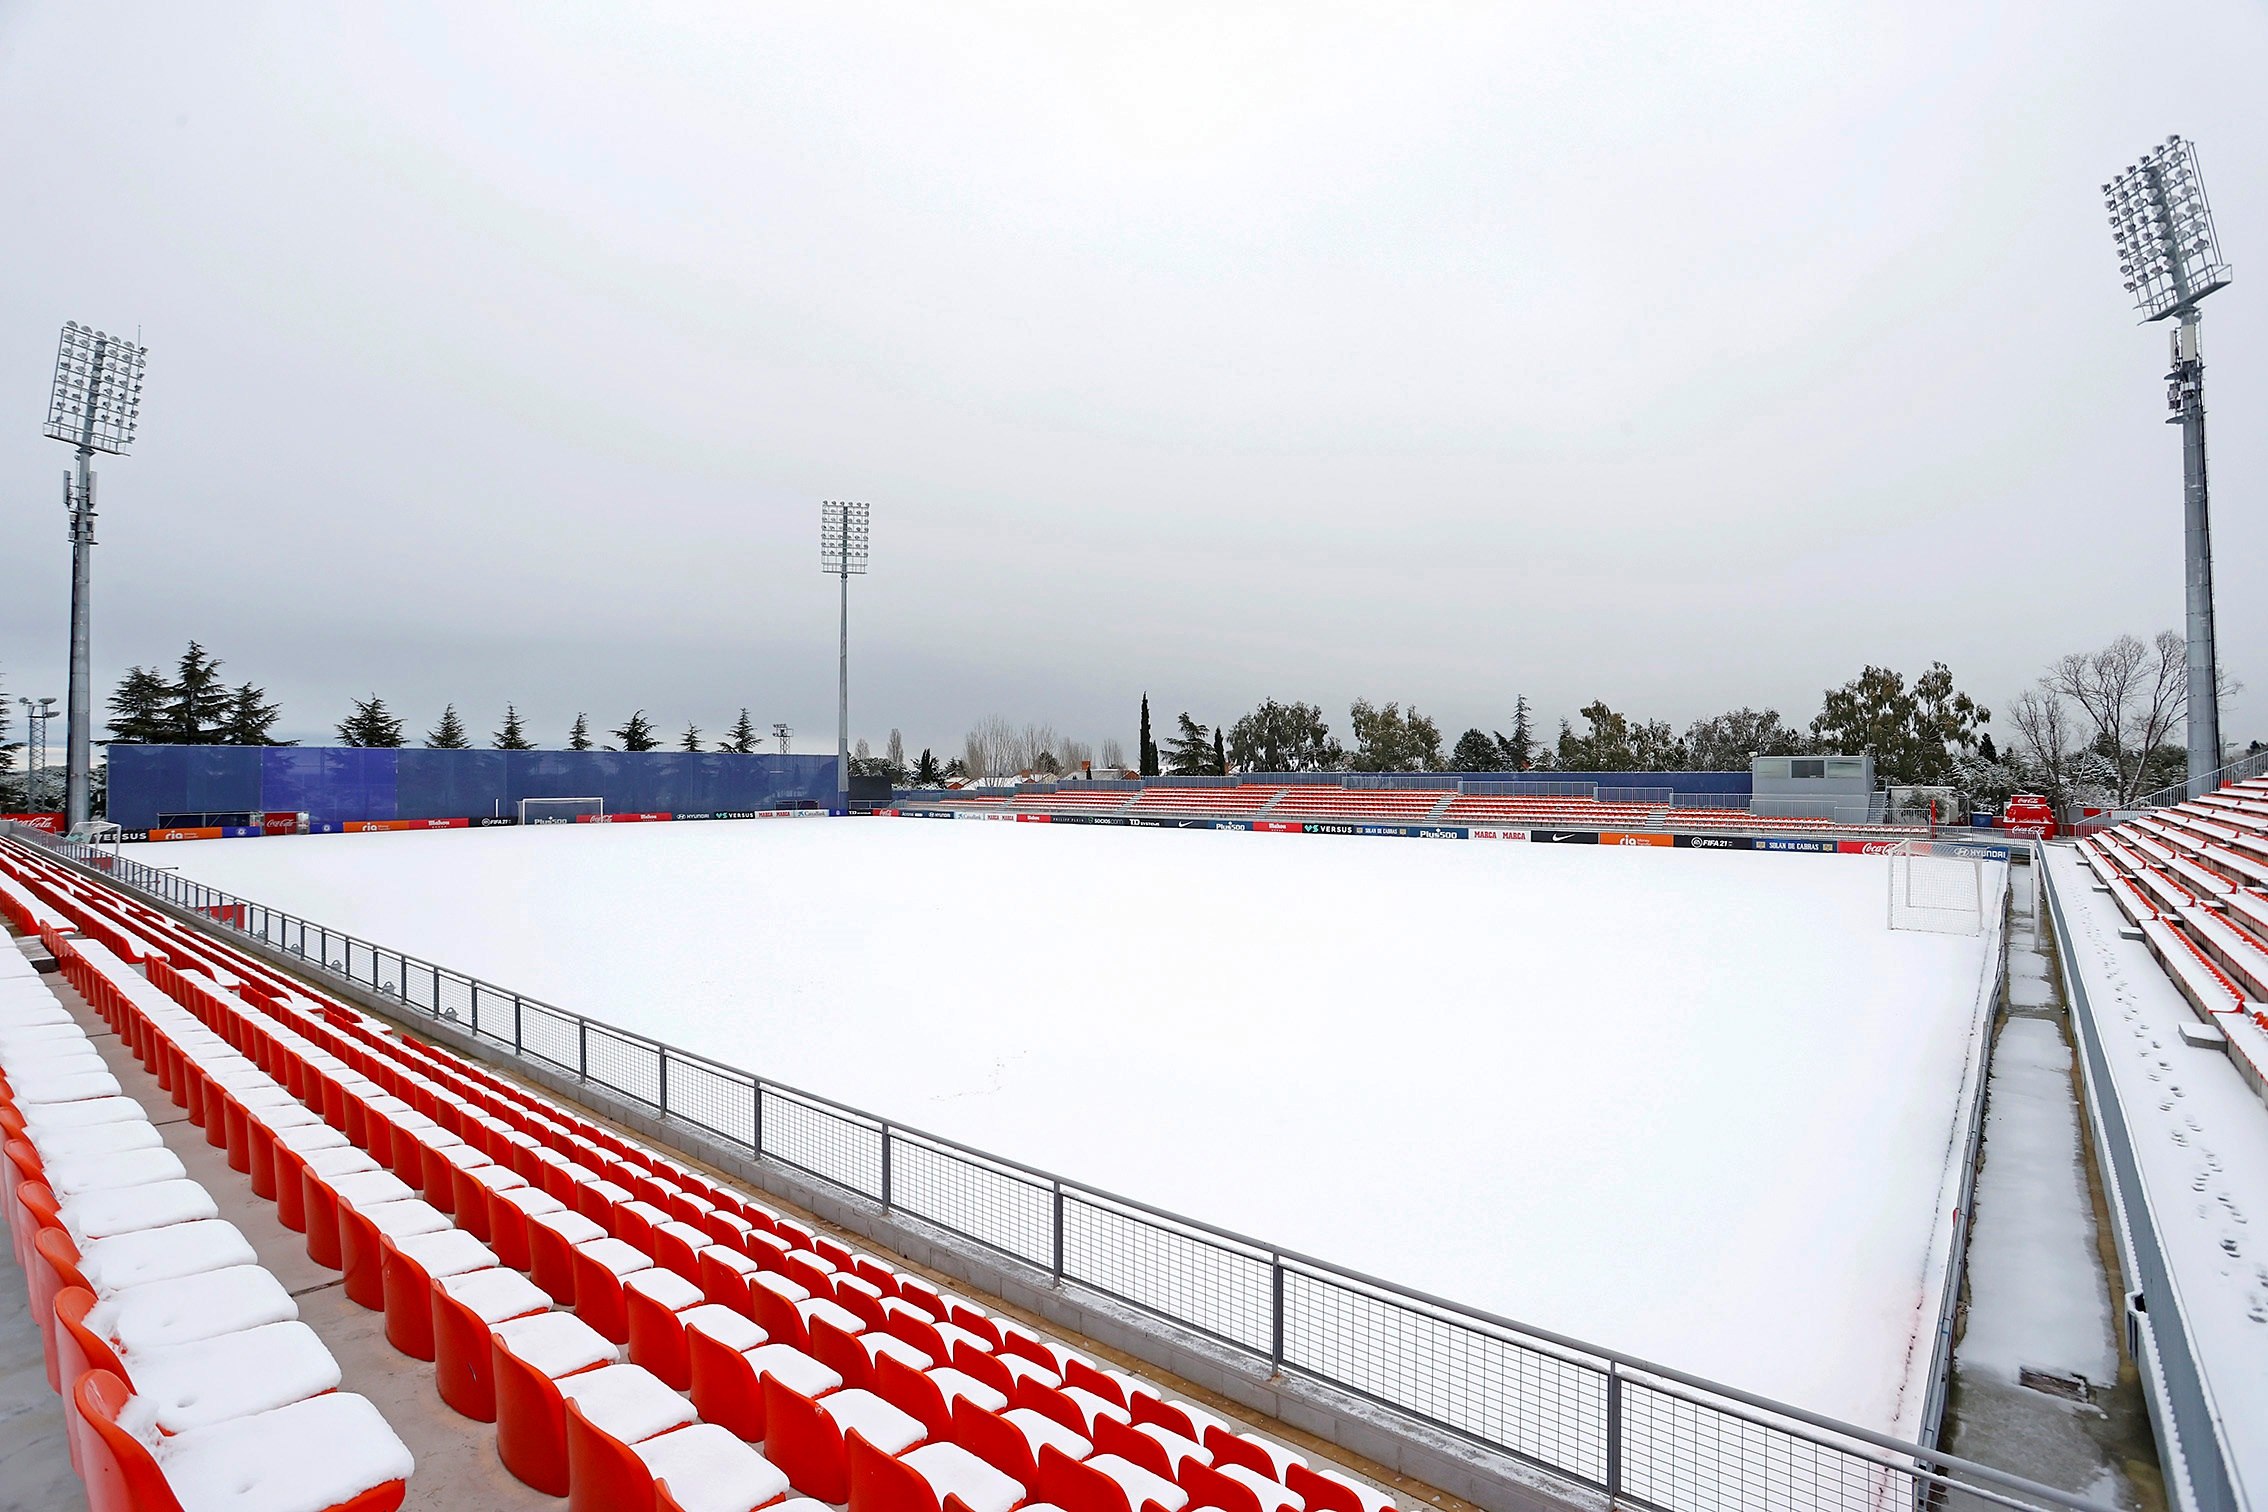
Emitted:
<point x="1695" y="1105"/>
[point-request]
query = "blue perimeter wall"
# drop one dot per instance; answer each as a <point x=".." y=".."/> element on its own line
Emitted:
<point x="338" y="784"/>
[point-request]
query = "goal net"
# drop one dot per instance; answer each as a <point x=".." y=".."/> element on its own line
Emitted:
<point x="560" y="810"/>
<point x="1936" y="894"/>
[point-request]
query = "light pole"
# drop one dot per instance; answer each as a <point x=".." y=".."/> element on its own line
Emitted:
<point x="2171" y="260"/>
<point x="780" y="733"/>
<point x="842" y="551"/>
<point x="36" y="716"/>
<point x="96" y="405"/>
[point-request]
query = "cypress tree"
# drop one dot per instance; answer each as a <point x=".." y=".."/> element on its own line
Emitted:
<point x="1220" y="756"/>
<point x="1149" y="752"/>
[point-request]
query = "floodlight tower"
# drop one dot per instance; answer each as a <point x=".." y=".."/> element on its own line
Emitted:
<point x="2171" y="259"/>
<point x="842" y="551"/>
<point x="37" y="712"/>
<point x="96" y="405"/>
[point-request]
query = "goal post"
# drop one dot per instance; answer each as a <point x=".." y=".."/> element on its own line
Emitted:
<point x="1936" y="894"/>
<point x="561" y="810"/>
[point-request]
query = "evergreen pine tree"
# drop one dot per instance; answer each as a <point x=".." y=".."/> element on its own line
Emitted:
<point x="636" y="733"/>
<point x="138" y="707"/>
<point x="1476" y="751"/>
<point x="370" y="725"/>
<point x="691" y="739"/>
<point x="1149" y="751"/>
<point x="512" y="737"/>
<point x="198" y="702"/>
<point x="743" y="739"/>
<point x="1517" y="752"/>
<point x="249" y="718"/>
<point x="1190" y="754"/>
<point x="926" y="772"/>
<point x="8" y="749"/>
<point x="579" y="738"/>
<point x="449" y="734"/>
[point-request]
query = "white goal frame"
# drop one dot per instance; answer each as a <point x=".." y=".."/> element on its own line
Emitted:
<point x="1935" y="894"/>
<point x="596" y="807"/>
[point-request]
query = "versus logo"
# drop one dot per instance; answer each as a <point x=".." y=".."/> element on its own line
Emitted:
<point x="1326" y="828"/>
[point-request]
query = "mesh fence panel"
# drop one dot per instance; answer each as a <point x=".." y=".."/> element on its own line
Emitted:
<point x="823" y="1142"/>
<point x="492" y="1013"/>
<point x="421" y="986"/>
<point x="550" y="1035"/>
<point x="1182" y="1275"/>
<point x="454" y="1000"/>
<point x="628" y="1066"/>
<point x="723" y="1104"/>
<point x="1010" y="1212"/>
<point x="1688" y="1457"/>
<point x="386" y="976"/>
<point x="1539" y="1404"/>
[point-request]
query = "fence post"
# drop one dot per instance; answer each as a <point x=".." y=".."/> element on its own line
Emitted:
<point x="583" y="1049"/>
<point x="885" y="1165"/>
<point x="1057" y="1209"/>
<point x="661" y="1079"/>
<point x="515" y="1023"/>
<point x="1276" y="1311"/>
<point x="1613" y="1429"/>
<point x="756" y="1117"/>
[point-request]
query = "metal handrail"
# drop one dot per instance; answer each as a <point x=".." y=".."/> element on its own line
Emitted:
<point x="2252" y="765"/>
<point x="1622" y="1468"/>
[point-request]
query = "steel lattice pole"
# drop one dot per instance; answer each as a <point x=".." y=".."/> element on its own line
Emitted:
<point x="842" y="689"/>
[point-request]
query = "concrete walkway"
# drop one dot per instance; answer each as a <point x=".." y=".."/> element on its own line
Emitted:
<point x="2042" y="1384"/>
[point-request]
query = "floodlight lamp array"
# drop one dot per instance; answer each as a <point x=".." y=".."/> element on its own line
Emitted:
<point x="2163" y="229"/>
<point x="843" y="539"/>
<point x="97" y="403"/>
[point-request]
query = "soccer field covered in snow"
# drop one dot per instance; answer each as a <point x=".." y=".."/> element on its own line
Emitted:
<point x="1696" y="1105"/>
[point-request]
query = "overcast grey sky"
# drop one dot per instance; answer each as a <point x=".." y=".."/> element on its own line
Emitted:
<point x="1684" y="357"/>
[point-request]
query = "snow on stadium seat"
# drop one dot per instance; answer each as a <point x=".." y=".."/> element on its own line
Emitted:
<point x="805" y="1437"/>
<point x="653" y="1301"/>
<point x="465" y="1308"/>
<point x="184" y="1386"/>
<point x="725" y="1274"/>
<point x="159" y="1204"/>
<point x="183" y="1249"/>
<point x="603" y="1413"/>
<point x="601" y="1266"/>
<point x="533" y="1355"/>
<point x="1327" y="1491"/>
<point x="920" y="1479"/>
<point x="1105" y="1483"/>
<point x="706" y="1467"/>
<point x="410" y="1267"/>
<point x="1232" y="1448"/>
<point x="363" y="1232"/>
<point x="1252" y="1491"/>
<point x="188" y="1308"/>
<point x="508" y="1215"/>
<point x="552" y="1238"/>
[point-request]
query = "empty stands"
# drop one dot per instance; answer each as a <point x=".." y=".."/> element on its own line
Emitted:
<point x="639" y="1334"/>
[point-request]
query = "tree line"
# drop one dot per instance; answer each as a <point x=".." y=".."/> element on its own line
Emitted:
<point x="192" y="705"/>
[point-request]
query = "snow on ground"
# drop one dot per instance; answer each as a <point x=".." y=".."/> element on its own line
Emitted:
<point x="2198" y="1132"/>
<point x="1694" y="1105"/>
<point x="2037" y="1294"/>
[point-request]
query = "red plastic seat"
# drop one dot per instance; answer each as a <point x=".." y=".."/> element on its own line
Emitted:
<point x="531" y="1355"/>
<point x="122" y="1475"/>
<point x="601" y="1266"/>
<point x="719" y="1374"/>
<point x="804" y="1437"/>
<point x="552" y="1238"/>
<point x="724" y="1277"/>
<point x="465" y="1307"/>
<point x="409" y="1267"/>
<point x="652" y="1302"/>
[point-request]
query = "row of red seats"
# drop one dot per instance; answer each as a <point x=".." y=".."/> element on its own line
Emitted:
<point x="733" y="1302"/>
<point x="189" y="1382"/>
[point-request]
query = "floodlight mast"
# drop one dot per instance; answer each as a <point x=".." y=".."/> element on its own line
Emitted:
<point x="2163" y="229"/>
<point x="96" y="407"/>
<point x="843" y="551"/>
